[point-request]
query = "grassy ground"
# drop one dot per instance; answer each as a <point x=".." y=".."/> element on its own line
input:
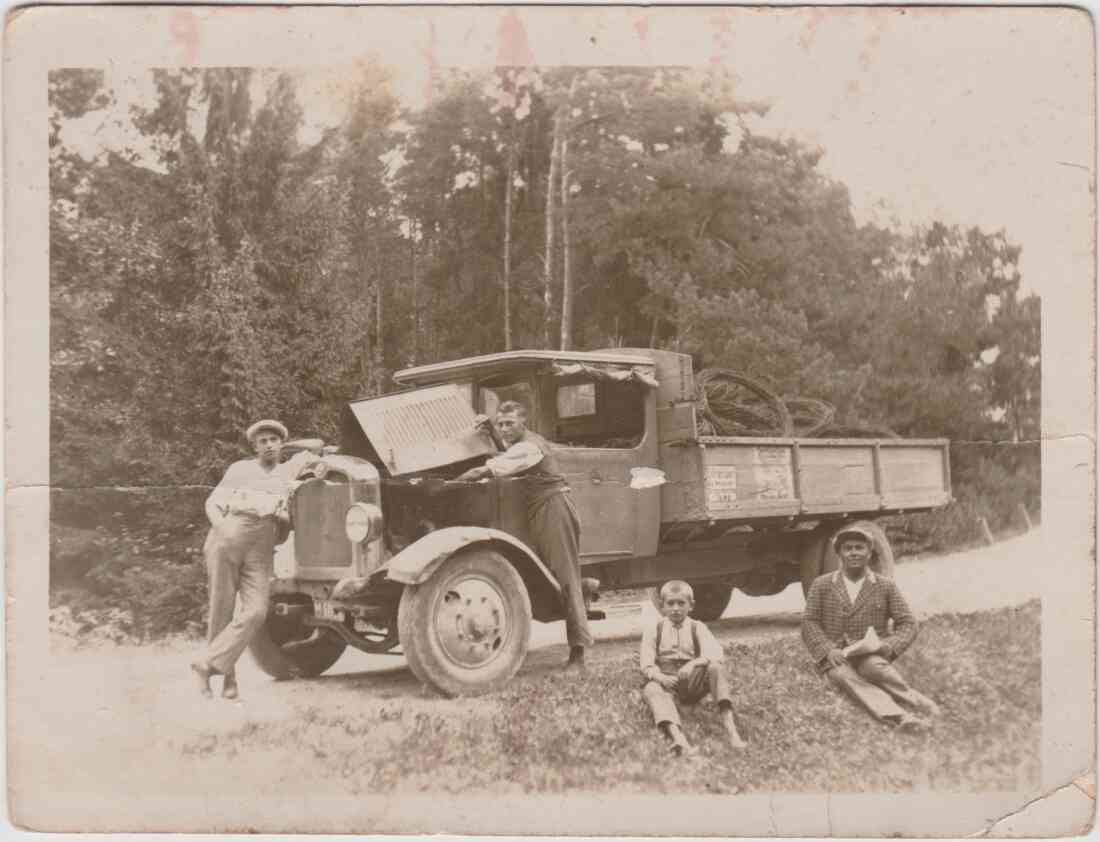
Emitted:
<point x="545" y="733"/>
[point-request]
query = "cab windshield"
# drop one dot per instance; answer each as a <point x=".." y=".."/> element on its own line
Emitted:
<point x="491" y="396"/>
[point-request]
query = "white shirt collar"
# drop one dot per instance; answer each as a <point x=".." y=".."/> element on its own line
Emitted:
<point x="870" y="576"/>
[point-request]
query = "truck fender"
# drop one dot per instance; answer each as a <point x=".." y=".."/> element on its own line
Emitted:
<point x="419" y="561"/>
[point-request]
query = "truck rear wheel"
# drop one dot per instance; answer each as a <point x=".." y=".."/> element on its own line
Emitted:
<point x="811" y="558"/>
<point x="285" y="647"/>
<point x="819" y="557"/>
<point x="711" y="599"/>
<point x="465" y="630"/>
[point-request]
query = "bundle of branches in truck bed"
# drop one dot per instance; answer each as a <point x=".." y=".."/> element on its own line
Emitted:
<point x="731" y="404"/>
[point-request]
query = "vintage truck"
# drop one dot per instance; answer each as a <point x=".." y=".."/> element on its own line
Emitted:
<point x="389" y="555"/>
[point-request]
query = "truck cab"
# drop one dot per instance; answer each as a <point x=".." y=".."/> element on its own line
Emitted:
<point x="599" y="409"/>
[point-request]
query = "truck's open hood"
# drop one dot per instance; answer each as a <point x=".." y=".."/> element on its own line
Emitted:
<point x="417" y="430"/>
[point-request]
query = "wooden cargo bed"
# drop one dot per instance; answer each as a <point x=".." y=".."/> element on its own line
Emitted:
<point x="719" y="478"/>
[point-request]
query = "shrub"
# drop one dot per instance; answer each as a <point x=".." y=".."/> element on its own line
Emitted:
<point x="128" y="560"/>
<point x="953" y="527"/>
<point x="162" y="598"/>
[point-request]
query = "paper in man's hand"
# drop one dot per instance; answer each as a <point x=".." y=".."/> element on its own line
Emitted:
<point x="869" y="644"/>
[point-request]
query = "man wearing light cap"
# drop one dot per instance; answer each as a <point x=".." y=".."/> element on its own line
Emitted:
<point x="846" y="628"/>
<point x="244" y="513"/>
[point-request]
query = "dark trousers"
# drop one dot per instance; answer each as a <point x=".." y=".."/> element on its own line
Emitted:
<point x="556" y="532"/>
<point x="703" y="680"/>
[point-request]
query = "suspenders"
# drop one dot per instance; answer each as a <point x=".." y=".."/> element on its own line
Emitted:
<point x="694" y="636"/>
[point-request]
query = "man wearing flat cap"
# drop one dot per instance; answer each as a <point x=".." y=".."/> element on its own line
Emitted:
<point x="846" y="628"/>
<point x="245" y="512"/>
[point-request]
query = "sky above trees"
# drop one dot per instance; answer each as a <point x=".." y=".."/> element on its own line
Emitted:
<point x="969" y="117"/>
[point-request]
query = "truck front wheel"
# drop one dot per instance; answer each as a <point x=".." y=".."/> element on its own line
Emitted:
<point x="285" y="647"/>
<point x="465" y="630"/>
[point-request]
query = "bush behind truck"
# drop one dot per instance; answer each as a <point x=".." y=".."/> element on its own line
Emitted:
<point x="389" y="552"/>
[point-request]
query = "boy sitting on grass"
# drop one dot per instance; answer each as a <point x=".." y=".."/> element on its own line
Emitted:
<point x="682" y="661"/>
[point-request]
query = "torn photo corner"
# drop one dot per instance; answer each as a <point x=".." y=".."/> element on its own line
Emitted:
<point x="741" y="277"/>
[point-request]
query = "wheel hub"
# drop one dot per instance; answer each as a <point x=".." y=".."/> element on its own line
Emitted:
<point x="472" y="622"/>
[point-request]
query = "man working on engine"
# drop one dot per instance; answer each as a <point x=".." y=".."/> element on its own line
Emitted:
<point x="555" y="527"/>
<point x="245" y="511"/>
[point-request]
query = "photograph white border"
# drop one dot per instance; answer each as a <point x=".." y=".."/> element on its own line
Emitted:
<point x="41" y="38"/>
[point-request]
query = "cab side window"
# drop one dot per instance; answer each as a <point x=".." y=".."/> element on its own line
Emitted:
<point x="492" y="395"/>
<point x="599" y="414"/>
<point x="576" y="400"/>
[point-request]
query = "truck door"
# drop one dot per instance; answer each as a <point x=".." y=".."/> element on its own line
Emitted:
<point x="602" y="431"/>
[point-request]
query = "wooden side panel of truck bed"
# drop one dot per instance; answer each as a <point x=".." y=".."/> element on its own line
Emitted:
<point x="724" y="478"/>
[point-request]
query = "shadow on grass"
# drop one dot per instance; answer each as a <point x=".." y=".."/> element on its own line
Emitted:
<point x="389" y="682"/>
<point x="547" y="732"/>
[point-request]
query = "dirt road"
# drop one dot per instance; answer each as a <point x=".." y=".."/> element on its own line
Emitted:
<point x="127" y="720"/>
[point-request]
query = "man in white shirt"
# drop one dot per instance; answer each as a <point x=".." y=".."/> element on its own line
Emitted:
<point x="245" y="511"/>
<point x="853" y="586"/>
<point x="555" y="527"/>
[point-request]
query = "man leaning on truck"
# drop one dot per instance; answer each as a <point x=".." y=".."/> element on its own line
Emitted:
<point x="244" y="511"/>
<point x="555" y="527"/>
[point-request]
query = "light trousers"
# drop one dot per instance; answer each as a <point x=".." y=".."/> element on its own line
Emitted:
<point x="239" y="554"/>
<point x="875" y="683"/>
<point x="703" y="680"/>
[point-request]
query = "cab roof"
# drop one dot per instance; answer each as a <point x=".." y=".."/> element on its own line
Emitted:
<point x="469" y="366"/>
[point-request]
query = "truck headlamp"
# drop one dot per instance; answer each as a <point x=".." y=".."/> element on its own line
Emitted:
<point x="363" y="523"/>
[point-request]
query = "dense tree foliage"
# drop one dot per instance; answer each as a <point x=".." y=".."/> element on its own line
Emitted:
<point x="216" y="266"/>
<point x="225" y="269"/>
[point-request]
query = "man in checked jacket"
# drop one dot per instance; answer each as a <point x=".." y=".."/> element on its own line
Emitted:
<point x="840" y="609"/>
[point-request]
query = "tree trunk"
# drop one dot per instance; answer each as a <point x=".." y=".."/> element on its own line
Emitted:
<point x="379" y="356"/>
<point x="548" y="257"/>
<point x="566" y="276"/>
<point x="561" y="144"/>
<point x="481" y="184"/>
<point x="508" y="189"/>
<point x="371" y="339"/>
<point x="415" y="351"/>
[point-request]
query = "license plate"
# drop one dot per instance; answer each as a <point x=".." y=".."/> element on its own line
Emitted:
<point x="323" y="608"/>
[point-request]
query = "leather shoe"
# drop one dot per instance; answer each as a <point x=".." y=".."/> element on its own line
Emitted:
<point x="229" y="687"/>
<point x="682" y="748"/>
<point x="925" y="705"/>
<point x="576" y="659"/>
<point x="910" y="724"/>
<point x="202" y="677"/>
